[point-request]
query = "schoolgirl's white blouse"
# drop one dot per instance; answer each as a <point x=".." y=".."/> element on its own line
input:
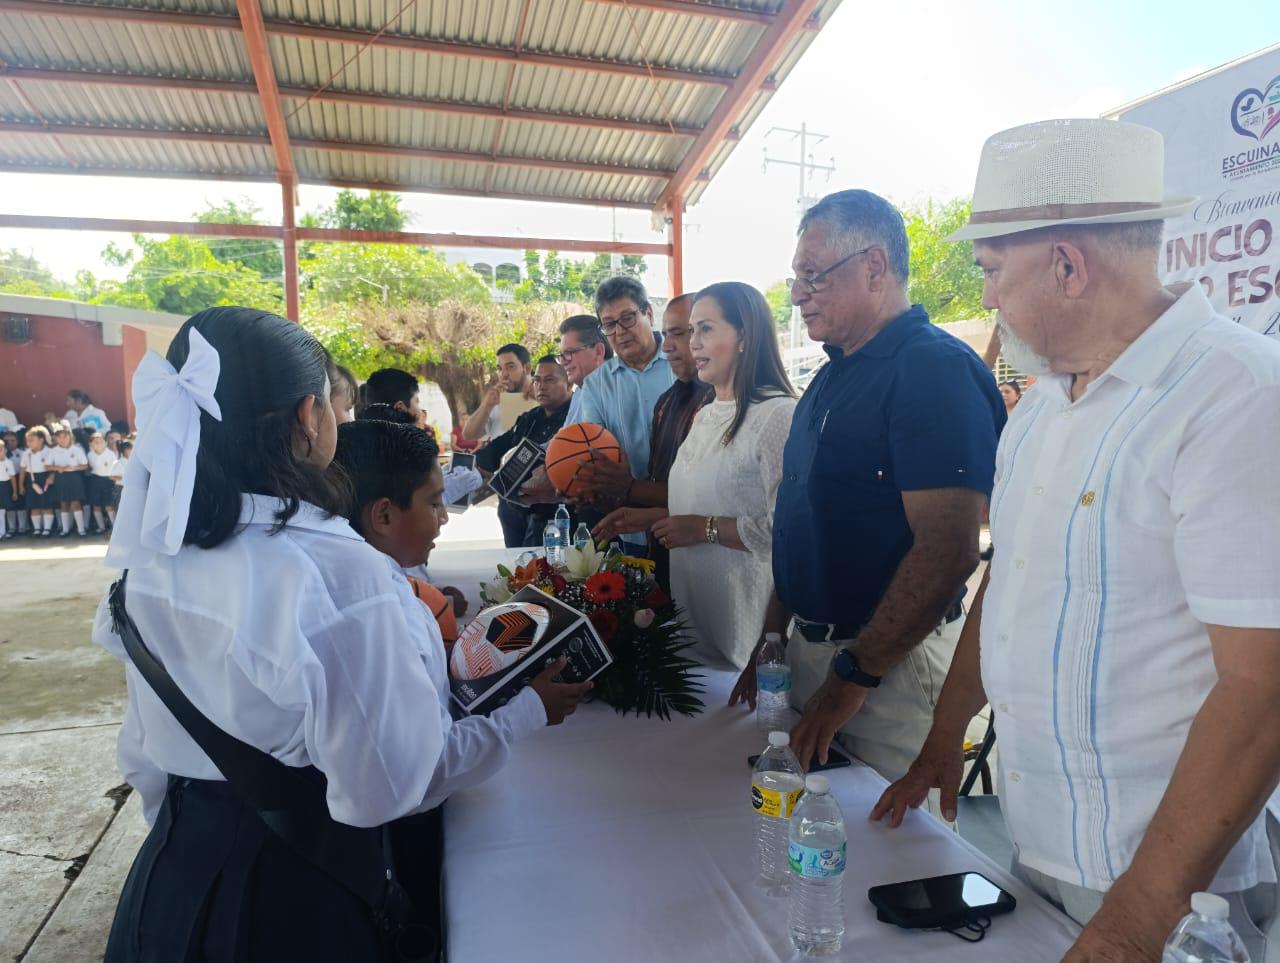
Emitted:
<point x="296" y="643"/>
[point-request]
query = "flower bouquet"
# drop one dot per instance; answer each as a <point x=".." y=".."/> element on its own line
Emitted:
<point x="641" y="625"/>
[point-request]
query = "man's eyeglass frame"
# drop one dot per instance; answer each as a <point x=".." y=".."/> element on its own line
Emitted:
<point x="811" y="282"/>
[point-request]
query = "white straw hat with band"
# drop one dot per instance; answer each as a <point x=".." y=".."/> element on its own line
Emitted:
<point x="1057" y="172"/>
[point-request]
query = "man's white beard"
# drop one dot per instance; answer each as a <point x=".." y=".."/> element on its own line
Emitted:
<point x="1017" y="353"/>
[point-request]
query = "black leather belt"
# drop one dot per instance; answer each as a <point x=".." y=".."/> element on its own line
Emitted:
<point x="847" y="631"/>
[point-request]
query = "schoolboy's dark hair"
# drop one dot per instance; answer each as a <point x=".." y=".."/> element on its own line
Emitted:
<point x="384" y="460"/>
<point x="267" y="366"/>
<point x="389" y="385"/>
<point x="380" y="412"/>
<point x="125" y="446"/>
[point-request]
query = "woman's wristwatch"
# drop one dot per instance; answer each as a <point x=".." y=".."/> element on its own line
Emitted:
<point x="713" y="531"/>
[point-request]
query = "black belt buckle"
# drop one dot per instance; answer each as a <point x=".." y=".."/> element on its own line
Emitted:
<point x="827" y="631"/>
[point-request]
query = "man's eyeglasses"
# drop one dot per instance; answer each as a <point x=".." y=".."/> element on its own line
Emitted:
<point x="626" y="320"/>
<point x="567" y="354"/>
<point x="811" y="284"/>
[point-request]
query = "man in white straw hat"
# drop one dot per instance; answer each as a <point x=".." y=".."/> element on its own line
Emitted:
<point x="1128" y="633"/>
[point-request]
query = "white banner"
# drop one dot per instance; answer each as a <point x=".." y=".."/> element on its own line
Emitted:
<point x="1222" y="144"/>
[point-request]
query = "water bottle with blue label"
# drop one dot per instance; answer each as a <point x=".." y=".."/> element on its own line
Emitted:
<point x="773" y="686"/>
<point x="551" y="543"/>
<point x="816" y="855"/>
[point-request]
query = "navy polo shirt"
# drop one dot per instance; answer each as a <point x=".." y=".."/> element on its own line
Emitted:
<point x="912" y="409"/>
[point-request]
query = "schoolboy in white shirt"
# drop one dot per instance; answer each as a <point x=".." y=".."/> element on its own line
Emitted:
<point x="399" y="510"/>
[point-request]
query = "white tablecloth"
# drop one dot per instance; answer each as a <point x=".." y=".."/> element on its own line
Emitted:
<point x="625" y="839"/>
<point x="466" y="568"/>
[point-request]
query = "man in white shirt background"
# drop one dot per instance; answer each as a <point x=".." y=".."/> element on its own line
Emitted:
<point x="1129" y="638"/>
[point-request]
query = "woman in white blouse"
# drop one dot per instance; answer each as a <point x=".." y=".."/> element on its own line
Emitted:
<point x="718" y="523"/>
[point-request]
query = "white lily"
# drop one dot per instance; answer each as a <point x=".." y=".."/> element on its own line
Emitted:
<point x="584" y="562"/>
<point x="495" y="593"/>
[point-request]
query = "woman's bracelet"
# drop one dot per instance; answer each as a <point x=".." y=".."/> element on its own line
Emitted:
<point x="713" y="530"/>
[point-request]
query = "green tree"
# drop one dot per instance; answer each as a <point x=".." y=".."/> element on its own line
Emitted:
<point x="778" y="295"/>
<point x="181" y="274"/>
<point x="943" y="276"/>
<point x="550" y="277"/>
<point x="23" y="274"/>
<point x="450" y="344"/>
<point x="374" y="211"/>
<point x="393" y="274"/>
<point x="262" y="255"/>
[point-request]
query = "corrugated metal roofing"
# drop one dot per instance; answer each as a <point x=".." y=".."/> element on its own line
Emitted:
<point x="166" y="87"/>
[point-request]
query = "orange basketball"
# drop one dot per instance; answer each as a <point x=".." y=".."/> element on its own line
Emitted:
<point x="571" y="448"/>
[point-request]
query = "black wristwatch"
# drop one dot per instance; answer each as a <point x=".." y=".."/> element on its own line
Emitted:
<point x="845" y="666"/>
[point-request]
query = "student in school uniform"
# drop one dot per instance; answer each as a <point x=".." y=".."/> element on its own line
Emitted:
<point x="37" y="480"/>
<point x="286" y="631"/>
<point x="119" y="470"/>
<point x="99" y="485"/>
<point x="399" y="509"/>
<point x="8" y="499"/>
<point x="71" y="463"/>
<point x="19" y="519"/>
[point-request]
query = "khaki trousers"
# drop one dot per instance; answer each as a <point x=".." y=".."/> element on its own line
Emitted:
<point x="892" y="724"/>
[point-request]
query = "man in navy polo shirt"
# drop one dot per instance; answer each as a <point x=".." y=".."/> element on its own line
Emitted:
<point x="886" y="474"/>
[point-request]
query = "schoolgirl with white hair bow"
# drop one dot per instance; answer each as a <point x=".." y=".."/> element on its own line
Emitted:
<point x="258" y="630"/>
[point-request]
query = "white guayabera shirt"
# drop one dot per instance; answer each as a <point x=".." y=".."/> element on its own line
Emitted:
<point x="1123" y="523"/>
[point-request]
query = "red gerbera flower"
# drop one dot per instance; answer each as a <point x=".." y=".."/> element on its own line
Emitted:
<point x="558" y="583"/>
<point x="606" y="623"/>
<point x="656" y="598"/>
<point x="605" y="587"/>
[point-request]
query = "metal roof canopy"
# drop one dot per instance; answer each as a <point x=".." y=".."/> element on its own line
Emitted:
<point x="624" y="103"/>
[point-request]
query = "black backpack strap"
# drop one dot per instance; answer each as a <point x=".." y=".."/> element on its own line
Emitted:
<point x="290" y="800"/>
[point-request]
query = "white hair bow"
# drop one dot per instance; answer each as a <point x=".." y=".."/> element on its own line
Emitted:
<point x="161" y="476"/>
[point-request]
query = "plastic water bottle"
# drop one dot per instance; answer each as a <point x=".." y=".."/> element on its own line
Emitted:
<point x="551" y="543"/>
<point x="773" y="686"/>
<point x="562" y="526"/>
<point x="776" y="784"/>
<point x="816" y="852"/>
<point x="581" y="536"/>
<point x="1204" y="935"/>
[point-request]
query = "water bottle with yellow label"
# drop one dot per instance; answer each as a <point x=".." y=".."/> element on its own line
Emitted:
<point x="776" y="784"/>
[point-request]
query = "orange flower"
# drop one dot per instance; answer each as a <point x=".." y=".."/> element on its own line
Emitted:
<point x="528" y="574"/>
<point x="605" y="587"/>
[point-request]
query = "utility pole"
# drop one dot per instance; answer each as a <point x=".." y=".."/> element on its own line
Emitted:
<point x="807" y="166"/>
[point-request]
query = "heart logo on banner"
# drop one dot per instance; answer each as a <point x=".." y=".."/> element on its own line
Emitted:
<point x="1256" y="113"/>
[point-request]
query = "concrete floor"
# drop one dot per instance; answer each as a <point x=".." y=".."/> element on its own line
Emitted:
<point x="68" y="829"/>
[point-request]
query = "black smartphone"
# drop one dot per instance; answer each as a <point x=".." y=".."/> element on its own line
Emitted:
<point x="941" y="902"/>
<point x="835" y="760"/>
